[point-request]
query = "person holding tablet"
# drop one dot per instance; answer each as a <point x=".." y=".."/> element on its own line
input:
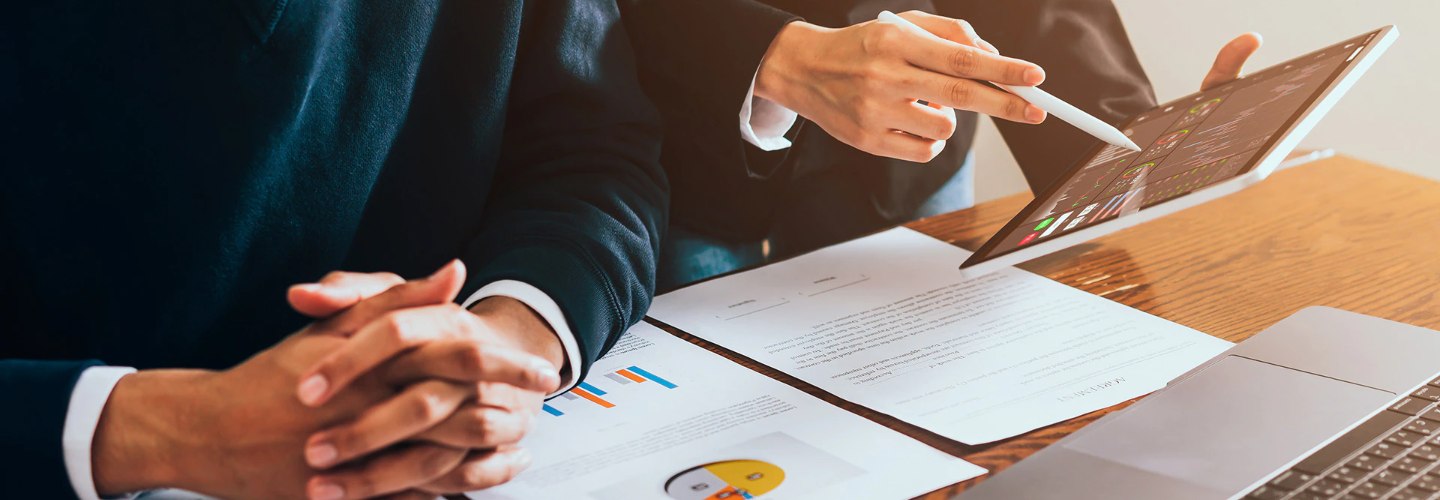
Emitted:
<point x="784" y="135"/>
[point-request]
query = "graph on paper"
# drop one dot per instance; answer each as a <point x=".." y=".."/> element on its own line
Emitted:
<point x="610" y="389"/>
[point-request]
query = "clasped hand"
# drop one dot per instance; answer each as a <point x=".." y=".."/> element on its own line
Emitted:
<point x="473" y="387"/>
<point x="394" y="391"/>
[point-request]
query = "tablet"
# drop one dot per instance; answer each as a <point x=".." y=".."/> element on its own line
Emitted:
<point x="1196" y="148"/>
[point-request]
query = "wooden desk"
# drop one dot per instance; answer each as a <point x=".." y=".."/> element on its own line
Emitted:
<point x="1338" y="232"/>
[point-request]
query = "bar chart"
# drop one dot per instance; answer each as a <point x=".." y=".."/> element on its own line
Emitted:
<point x="622" y="383"/>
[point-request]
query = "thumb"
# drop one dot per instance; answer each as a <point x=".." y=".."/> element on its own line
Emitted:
<point x="337" y="291"/>
<point x="1231" y="60"/>
<point x="438" y="288"/>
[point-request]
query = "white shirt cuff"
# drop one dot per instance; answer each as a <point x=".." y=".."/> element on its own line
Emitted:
<point x="87" y="401"/>
<point x="764" y="122"/>
<point x="548" y="310"/>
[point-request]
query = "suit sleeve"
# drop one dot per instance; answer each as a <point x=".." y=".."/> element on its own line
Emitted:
<point x="35" y="396"/>
<point x="580" y="199"/>
<point x="697" y="59"/>
<point x="1088" y="62"/>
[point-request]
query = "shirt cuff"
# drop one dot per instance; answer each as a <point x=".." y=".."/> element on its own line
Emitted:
<point x="548" y="310"/>
<point x="763" y="122"/>
<point x="87" y="401"/>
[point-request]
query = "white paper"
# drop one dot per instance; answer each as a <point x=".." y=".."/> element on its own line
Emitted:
<point x="710" y="410"/>
<point x="886" y="321"/>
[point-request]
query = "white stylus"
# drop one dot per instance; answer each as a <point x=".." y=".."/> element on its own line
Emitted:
<point x="1043" y="100"/>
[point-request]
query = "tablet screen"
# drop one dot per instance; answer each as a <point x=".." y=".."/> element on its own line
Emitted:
<point x="1189" y="144"/>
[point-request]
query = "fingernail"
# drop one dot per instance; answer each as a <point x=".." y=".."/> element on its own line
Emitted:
<point x="310" y="287"/>
<point x="333" y="292"/>
<point x="327" y="491"/>
<point x="1034" y="76"/>
<point x="1034" y="114"/>
<point x="545" y="373"/>
<point x="987" y="46"/>
<point x="313" y="388"/>
<point x="321" y="454"/>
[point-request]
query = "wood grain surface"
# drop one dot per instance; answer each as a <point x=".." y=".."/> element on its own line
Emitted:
<point x="1338" y="232"/>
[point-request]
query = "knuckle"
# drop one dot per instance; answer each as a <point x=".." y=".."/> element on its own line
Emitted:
<point x="947" y="127"/>
<point x="865" y="141"/>
<point x="481" y="426"/>
<point x="1014" y="109"/>
<point x="960" y="93"/>
<point x="397" y="326"/>
<point x="1016" y="72"/>
<point x="470" y="360"/>
<point x="425" y="407"/>
<point x="964" y="61"/>
<point x="434" y="462"/>
<point x="964" y="26"/>
<point x="865" y="120"/>
<point x="881" y="38"/>
<point x="333" y="276"/>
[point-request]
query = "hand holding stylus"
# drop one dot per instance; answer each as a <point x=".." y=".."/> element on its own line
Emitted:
<point x="861" y="83"/>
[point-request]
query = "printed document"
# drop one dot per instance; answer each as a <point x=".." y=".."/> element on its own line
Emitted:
<point x="887" y="322"/>
<point x="661" y="418"/>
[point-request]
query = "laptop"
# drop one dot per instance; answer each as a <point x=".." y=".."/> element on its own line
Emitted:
<point x="1324" y="404"/>
<point x="1197" y="148"/>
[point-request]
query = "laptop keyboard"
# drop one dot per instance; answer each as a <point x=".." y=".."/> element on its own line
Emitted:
<point x="1393" y="455"/>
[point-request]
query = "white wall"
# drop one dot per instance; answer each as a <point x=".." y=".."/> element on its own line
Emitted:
<point x="1389" y="117"/>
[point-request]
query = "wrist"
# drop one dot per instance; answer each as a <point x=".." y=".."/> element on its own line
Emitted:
<point x="521" y="327"/>
<point x="143" y="440"/>
<point x="783" y="66"/>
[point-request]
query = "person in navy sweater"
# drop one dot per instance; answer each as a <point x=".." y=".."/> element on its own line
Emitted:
<point x="172" y="168"/>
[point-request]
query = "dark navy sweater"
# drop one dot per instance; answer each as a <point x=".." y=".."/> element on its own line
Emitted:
<point x="169" y="167"/>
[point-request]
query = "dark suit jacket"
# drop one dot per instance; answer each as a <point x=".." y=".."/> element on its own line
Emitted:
<point x="172" y="166"/>
<point x="697" y="59"/>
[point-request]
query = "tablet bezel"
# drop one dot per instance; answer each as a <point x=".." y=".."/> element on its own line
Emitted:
<point x="1295" y="130"/>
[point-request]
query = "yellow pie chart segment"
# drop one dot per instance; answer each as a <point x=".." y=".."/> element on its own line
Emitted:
<point x="752" y="476"/>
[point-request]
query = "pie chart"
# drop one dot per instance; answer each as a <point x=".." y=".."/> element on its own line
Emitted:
<point x="726" y="480"/>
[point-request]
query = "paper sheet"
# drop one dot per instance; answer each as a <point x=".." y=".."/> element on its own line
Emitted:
<point x="887" y="322"/>
<point x="660" y="412"/>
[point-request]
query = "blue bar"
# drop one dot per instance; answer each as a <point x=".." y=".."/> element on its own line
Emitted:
<point x="592" y="389"/>
<point x="551" y="410"/>
<point x="652" y="377"/>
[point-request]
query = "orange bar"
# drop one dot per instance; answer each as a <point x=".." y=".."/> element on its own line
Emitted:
<point x="596" y="399"/>
<point x="631" y="376"/>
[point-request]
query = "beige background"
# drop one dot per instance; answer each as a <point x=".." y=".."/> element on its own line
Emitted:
<point x="1391" y="117"/>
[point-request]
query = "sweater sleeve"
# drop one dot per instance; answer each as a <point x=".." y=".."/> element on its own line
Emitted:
<point x="35" y="396"/>
<point x="580" y="198"/>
